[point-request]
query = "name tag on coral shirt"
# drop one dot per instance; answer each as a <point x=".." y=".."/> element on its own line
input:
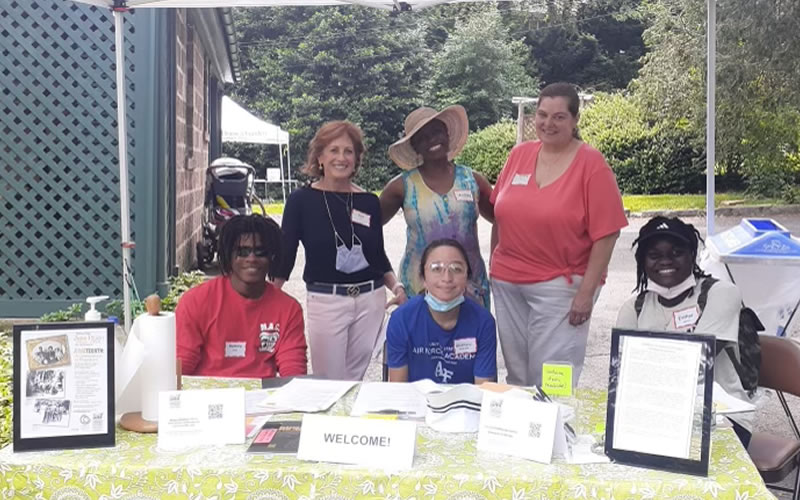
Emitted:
<point x="521" y="180"/>
<point x="360" y="217"/>
<point x="235" y="349"/>
<point x="465" y="346"/>
<point x="463" y="195"/>
<point x="685" y="317"/>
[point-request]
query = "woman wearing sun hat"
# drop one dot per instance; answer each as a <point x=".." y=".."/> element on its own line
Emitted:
<point x="439" y="198"/>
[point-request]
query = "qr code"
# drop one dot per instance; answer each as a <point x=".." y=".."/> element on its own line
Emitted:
<point x="534" y="430"/>
<point x="175" y="401"/>
<point x="214" y="411"/>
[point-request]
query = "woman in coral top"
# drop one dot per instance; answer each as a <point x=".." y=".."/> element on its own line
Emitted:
<point x="558" y="214"/>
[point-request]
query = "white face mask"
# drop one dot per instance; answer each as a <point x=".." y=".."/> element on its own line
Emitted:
<point x="350" y="260"/>
<point x="671" y="293"/>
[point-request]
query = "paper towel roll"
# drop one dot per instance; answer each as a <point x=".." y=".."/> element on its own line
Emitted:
<point x="157" y="372"/>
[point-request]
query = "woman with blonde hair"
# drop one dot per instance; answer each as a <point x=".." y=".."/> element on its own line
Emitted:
<point x="346" y="271"/>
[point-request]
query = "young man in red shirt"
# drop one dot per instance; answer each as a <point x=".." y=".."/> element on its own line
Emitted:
<point x="238" y="324"/>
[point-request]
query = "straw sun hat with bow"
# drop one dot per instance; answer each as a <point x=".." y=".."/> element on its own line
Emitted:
<point x="454" y="118"/>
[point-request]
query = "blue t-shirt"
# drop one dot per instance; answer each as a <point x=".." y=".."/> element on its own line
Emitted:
<point x="454" y="356"/>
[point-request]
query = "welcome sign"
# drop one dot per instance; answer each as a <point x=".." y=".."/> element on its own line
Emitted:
<point x="358" y="441"/>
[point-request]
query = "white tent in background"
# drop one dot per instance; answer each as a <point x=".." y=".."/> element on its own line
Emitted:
<point x="240" y="125"/>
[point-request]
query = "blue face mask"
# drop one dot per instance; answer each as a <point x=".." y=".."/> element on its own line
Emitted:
<point x="439" y="306"/>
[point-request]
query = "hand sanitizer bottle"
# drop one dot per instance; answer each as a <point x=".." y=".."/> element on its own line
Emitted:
<point x="93" y="314"/>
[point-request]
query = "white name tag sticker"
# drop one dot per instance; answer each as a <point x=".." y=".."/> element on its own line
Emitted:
<point x="358" y="441"/>
<point x="465" y="346"/>
<point x="360" y="217"/>
<point x="685" y="317"/>
<point x="463" y="195"/>
<point x="235" y="349"/>
<point x="520" y="179"/>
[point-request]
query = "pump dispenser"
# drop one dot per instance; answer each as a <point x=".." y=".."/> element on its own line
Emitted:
<point x="93" y="314"/>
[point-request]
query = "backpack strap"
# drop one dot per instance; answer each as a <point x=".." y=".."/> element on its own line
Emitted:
<point x="639" y="302"/>
<point x="702" y="299"/>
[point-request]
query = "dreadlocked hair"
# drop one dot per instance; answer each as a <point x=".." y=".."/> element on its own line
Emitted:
<point x="649" y="234"/>
<point x="268" y="231"/>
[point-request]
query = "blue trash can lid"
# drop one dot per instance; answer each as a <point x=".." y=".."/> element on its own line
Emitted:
<point x="756" y="241"/>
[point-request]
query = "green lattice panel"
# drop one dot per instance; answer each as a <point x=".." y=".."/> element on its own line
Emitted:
<point x="59" y="193"/>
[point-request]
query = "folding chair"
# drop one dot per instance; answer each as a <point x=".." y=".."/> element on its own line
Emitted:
<point x="775" y="456"/>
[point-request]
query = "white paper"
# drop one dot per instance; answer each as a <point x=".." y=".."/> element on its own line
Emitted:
<point x="521" y="427"/>
<point x="402" y="399"/>
<point x="253" y="399"/>
<point x="306" y="395"/>
<point x="585" y="451"/>
<point x="64" y="382"/>
<point x="656" y="395"/>
<point x="725" y="404"/>
<point x="200" y="418"/>
<point x="387" y="444"/>
<point x="458" y="409"/>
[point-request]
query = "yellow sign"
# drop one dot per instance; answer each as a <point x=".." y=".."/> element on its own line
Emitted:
<point x="557" y="379"/>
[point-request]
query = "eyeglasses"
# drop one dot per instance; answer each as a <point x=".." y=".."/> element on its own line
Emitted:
<point x="243" y="252"/>
<point x="455" y="268"/>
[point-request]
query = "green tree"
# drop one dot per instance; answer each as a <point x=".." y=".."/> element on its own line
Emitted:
<point x="481" y="68"/>
<point x="757" y="72"/>
<point x="305" y="66"/>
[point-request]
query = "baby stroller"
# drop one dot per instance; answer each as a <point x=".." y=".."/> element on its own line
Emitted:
<point x="230" y="191"/>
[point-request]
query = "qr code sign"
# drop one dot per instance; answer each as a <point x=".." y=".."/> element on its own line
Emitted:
<point x="534" y="430"/>
<point x="214" y="412"/>
<point x="175" y="401"/>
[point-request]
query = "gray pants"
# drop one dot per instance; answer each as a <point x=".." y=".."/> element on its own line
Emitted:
<point x="533" y="328"/>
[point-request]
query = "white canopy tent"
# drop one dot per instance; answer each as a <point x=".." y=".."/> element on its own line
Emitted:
<point x="119" y="7"/>
<point x="240" y="125"/>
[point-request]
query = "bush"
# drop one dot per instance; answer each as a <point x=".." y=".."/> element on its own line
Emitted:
<point x="6" y="400"/>
<point x="487" y="149"/>
<point x="646" y="159"/>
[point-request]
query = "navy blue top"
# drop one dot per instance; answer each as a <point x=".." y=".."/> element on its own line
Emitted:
<point x="454" y="356"/>
<point x="305" y="219"/>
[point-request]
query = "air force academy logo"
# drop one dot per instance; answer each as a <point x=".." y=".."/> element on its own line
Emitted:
<point x="268" y="338"/>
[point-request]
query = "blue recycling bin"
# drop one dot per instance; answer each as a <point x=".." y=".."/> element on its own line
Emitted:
<point x="763" y="258"/>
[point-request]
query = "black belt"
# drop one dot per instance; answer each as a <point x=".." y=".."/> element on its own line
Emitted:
<point x="346" y="289"/>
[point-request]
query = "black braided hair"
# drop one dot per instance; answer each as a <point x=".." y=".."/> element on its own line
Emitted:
<point x="268" y="231"/>
<point x="686" y="231"/>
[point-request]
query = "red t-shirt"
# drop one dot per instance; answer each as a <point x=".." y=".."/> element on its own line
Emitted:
<point x="549" y="232"/>
<point x="221" y="333"/>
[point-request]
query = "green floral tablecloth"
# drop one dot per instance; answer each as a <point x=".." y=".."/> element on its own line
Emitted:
<point x="446" y="466"/>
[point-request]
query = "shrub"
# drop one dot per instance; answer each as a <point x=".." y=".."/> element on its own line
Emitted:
<point x="646" y="159"/>
<point x="487" y="149"/>
<point x="6" y="400"/>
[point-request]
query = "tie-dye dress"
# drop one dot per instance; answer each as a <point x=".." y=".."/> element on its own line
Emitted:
<point x="431" y="216"/>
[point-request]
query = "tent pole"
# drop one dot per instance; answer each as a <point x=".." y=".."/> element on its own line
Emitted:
<point x="711" y="88"/>
<point x="124" y="197"/>
<point x="280" y="157"/>
<point x="289" y="164"/>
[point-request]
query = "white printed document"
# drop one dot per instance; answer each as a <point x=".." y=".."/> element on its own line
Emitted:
<point x="200" y="418"/>
<point x="306" y="395"/>
<point x="390" y="398"/>
<point x="656" y="396"/>
<point x="521" y="427"/>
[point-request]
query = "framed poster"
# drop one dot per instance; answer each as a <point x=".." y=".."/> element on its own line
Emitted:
<point x="63" y="386"/>
<point x="659" y="400"/>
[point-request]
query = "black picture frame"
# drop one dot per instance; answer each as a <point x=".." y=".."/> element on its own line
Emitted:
<point x="660" y="462"/>
<point x="43" y="367"/>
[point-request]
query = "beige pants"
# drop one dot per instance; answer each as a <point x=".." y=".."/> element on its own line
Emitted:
<point x="533" y="328"/>
<point x="343" y="332"/>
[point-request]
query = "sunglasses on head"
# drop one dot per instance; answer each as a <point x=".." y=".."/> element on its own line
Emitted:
<point x="243" y="252"/>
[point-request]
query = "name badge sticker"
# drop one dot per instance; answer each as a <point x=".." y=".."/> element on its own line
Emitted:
<point x="235" y="349"/>
<point x="520" y="179"/>
<point x="686" y="317"/>
<point x="465" y="346"/>
<point x="463" y="195"/>
<point x="360" y="217"/>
